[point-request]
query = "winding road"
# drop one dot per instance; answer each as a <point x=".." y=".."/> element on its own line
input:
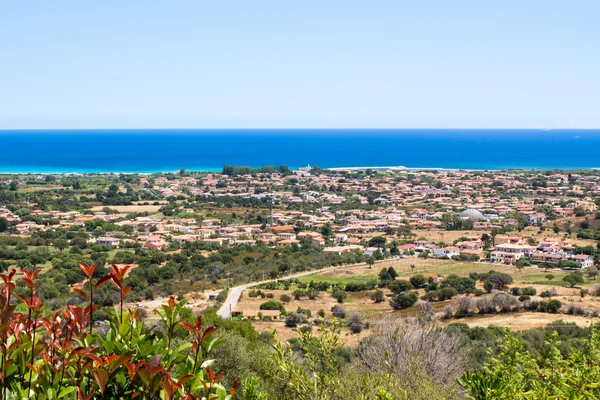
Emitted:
<point x="235" y="292"/>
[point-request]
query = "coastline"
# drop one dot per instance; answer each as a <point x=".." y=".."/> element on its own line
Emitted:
<point x="399" y="168"/>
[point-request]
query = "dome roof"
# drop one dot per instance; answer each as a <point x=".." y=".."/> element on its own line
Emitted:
<point x="472" y="214"/>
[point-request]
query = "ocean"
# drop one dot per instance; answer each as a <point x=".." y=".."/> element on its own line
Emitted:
<point x="146" y="151"/>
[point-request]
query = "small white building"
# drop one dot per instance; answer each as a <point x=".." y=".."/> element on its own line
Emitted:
<point x="584" y="260"/>
<point x="108" y="241"/>
<point x="446" y="252"/>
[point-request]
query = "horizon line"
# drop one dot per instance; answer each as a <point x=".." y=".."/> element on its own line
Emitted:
<point x="301" y="129"/>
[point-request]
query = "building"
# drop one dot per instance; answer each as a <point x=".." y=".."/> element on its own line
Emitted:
<point x="108" y="241"/>
<point x="446" y="252"/>
<point x="584" y="260"/>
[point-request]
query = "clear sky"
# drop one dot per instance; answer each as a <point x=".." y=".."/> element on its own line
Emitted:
<point x="299" y="63"/>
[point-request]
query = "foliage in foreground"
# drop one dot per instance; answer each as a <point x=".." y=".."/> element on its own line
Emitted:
<point x="516" y="374"/>
<point x="59" y="356"/>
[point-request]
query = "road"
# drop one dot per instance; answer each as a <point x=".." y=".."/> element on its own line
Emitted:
<point x="235" y="292"/>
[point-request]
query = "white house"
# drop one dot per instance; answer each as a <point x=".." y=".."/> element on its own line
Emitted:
<point x="446" y="252"/>
<point x="584" y="260"/>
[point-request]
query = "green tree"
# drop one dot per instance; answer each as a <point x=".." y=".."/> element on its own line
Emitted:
<point x="403" y="300"/>
<point x="574" y="278"/>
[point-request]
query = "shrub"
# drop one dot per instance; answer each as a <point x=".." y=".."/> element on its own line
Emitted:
<point x="548" y="293"/>
<point x="285" y="298"/>
<point x="478" y="292"/>
<point x="485" y="305"/>
<point x="355" y="323"/>
<point x="292" y="320"/>
<point x="529" y="291"/>
<point x="298" y="294"/>
<point x="272" y="305"/>
<point x="305" y="329"/>
<point x="338" y="312"/>
<point x="403" y="300"/>
<point x="464" y="305"/>
<point x="378" y="296"/>
<point x="398" y="286"/>
<point x="339" y="294"/>
<point x="551" y="306"/>
<point x="524" y="297"/>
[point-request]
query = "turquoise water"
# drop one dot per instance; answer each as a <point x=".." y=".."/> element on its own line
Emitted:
<point x="144" y="151"/>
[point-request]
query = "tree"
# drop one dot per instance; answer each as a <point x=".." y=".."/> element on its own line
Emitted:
<point x="378" y="296"/>
<point x="398" y="286"/>
<point x="574" y="278"/>
<point x="592" y="272"/>
<point x="418" y="281"/>
<point x="392" y="273"/>
<point x="549" y="276"/>
<point x="371" y="261"/>
<point x="61" y="244"/>
<point x="3" y="224"/>
<point x="377" y="241"/>
<point x="403" y="300"/>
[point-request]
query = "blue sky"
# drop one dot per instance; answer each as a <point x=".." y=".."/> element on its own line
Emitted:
<point x="295" y="64"/>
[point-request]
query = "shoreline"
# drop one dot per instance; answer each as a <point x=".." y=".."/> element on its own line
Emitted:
<point x="399" y="168"/>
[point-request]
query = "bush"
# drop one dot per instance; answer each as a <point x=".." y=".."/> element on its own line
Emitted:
<point x="292" y="320"/>
<point x="524" y="297"/>
<point x="551" y="306"/>
<point x="272" y="305"/>
<point x="478" y="292"/>
<point x="306" y="329"/>
<point x="285" y="298"/>
<point x="529" y="291"/>
<point x="403" y="300"/>
<point x="378" y="296"/>
<point x="355" y="323"/>
<point x="338" y="312"/>
<point x="398" y="287"/>
<point x="298" y="294"/>
<point x="339" y="294"/>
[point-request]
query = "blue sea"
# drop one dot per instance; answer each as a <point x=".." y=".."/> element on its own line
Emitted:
<point x="145" y="151"/>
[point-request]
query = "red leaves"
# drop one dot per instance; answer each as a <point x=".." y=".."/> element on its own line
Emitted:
<point x="29" y="277"/>
<point x="118" y="274"/>
<point x="102" y="281"/>
<point x="66" y="355"/>
<point x="88" y="270"/>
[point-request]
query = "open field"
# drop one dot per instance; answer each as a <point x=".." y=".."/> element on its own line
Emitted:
<point x="137" y="208"/>
<point x="529" y="232"/>
<point x="361" y="273"/>
<point x="524" y="320"/>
